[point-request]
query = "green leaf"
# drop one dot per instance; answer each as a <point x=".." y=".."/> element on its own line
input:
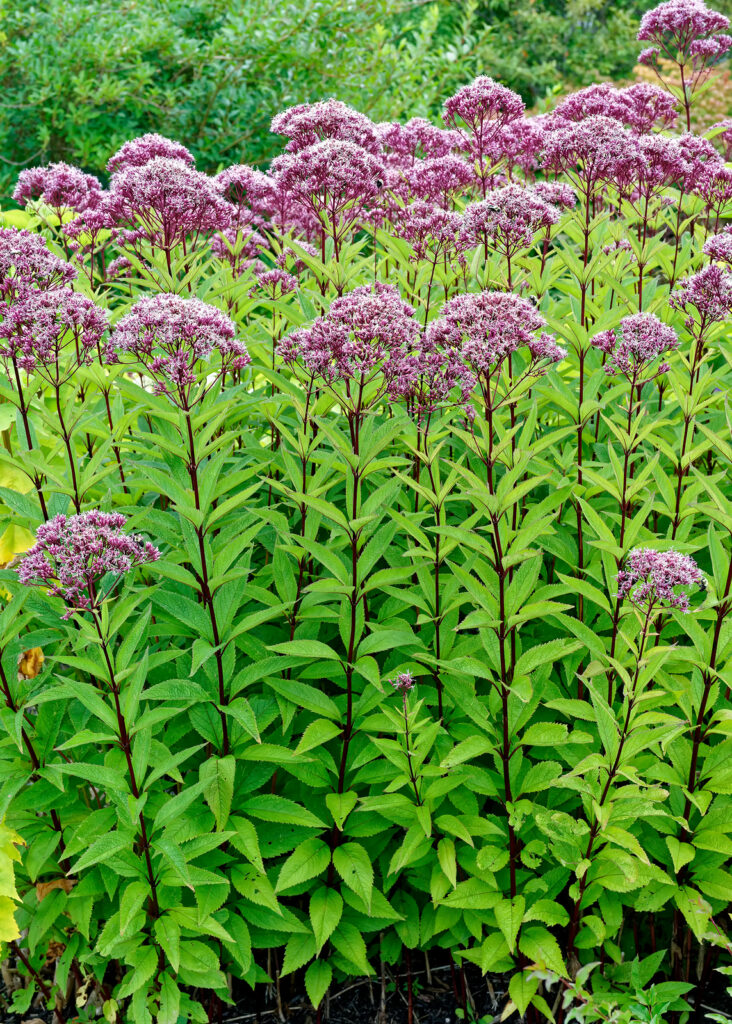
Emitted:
<point x="218" y="775"/>
<point x="317" y="734"/>
<point x="169" y="1001"/>
<point x="306" y="861"/>
<point x="340" y="806"/>
<point x="306" y="649"/>
<point x="347" y="939"/>
<point x="298" y="951"/>
<point x="103" y="848"/>
<point x="167" y="932"/>
<point x="681" y="853"/>
<point x="317" y="979"/>
<point x="540" y="946"/>
<point x="353" y="864"/>
<point x="270" y="807"/>
<point x="521" y="990"/>
<point x="326" y="908"/>
<point x="509" y="915"/>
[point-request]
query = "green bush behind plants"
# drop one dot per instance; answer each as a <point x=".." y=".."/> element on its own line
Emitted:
<point x="79" y="78"/>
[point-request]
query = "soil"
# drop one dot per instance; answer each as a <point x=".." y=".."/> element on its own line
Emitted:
<point x="437" y="1000"/>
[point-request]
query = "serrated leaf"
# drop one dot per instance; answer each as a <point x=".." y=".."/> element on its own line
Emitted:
<point x="326" y="908"/>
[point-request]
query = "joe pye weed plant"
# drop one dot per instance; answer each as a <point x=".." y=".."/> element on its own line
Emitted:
<point x="367" y="569"/>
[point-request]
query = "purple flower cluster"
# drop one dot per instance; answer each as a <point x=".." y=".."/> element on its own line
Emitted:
<point x="275" y="281"/>
<point x="642" y="107"/>
<point x="403" y="144"/>
<point x="481" y="107"/>
<point x="439" y="179"/>
<point x="487" y="327"/>
<point x="593" y="152"/>
<point x="478" y="112"/>
<point x="433" y="233"/>
<point x="365" y="332"/>
<point x="519" y="143"/>
<point x="72" y="556"/>
<point x="719" y="247"/>
<point x="62" y="187"/>
<point x="683" y="27"/>
<point x="169" y="335"/>
<point x="634" y="345"/>
<point x="336" y="181"/>
<point x="555" y="193"/>
<point x="403" y="682"/>
<point x="308" y="123"/>
<point x="141" y="150"/>
<point x="165" y="202"/>
<point x="649" y="579"/>
<point x="53" y="332"/>
<point x="27" y="262"/>
<point x="508" y="219"/>
<point x="707" y="293"/>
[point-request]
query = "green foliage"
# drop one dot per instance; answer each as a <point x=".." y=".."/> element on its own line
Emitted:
<point x="213" y="775"/>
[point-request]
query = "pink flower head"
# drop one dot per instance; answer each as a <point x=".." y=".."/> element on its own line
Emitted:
<point x="708" y="294"/>
<point x="479" y="111"/>
<point x="139" y="151"/>
<point x="725" y="135"/>
<point x="334" y="180"/>
<point x="632" y="346"/>
<point x="680" y="29"/>
<point x="714" y="185"/>
<point x="641" y="107"/>
<point x="601" y="98"/>
<point x="275" y="281"/>
<point x="27" y="262"/>
<point x="73" y="555"/>
<point x="433" y="232"/>
<point x="555" y="193"/>
<point x="308" y="123"/>
<point x="165" y="202"/>
<point x="65" y="188"/>
<point x="662" y="164"/>
<point x="648" y="107"/>
<point x="170" y="335"/>
<point x="403" y="682"/>
<point x="432" y="376"/>
<point x="440" y="179"/>
<point x="485" y="327"/>
<point x="366" y="332"/>
<point x="698" y="156"/>
<point x="719" y="247"/>
<point x="649" y="578"/>
<point x="53" y="332"/>
<point x="418" y="138"/>
<point x="242" y="185"/>
<point x="545" y="349"/>
<point x="519" y="143"/>
<point x="508" y="219"/>
<point x="481" y="107"/>
<point x="593" y="152"/>
<point x="119" y="267"/>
